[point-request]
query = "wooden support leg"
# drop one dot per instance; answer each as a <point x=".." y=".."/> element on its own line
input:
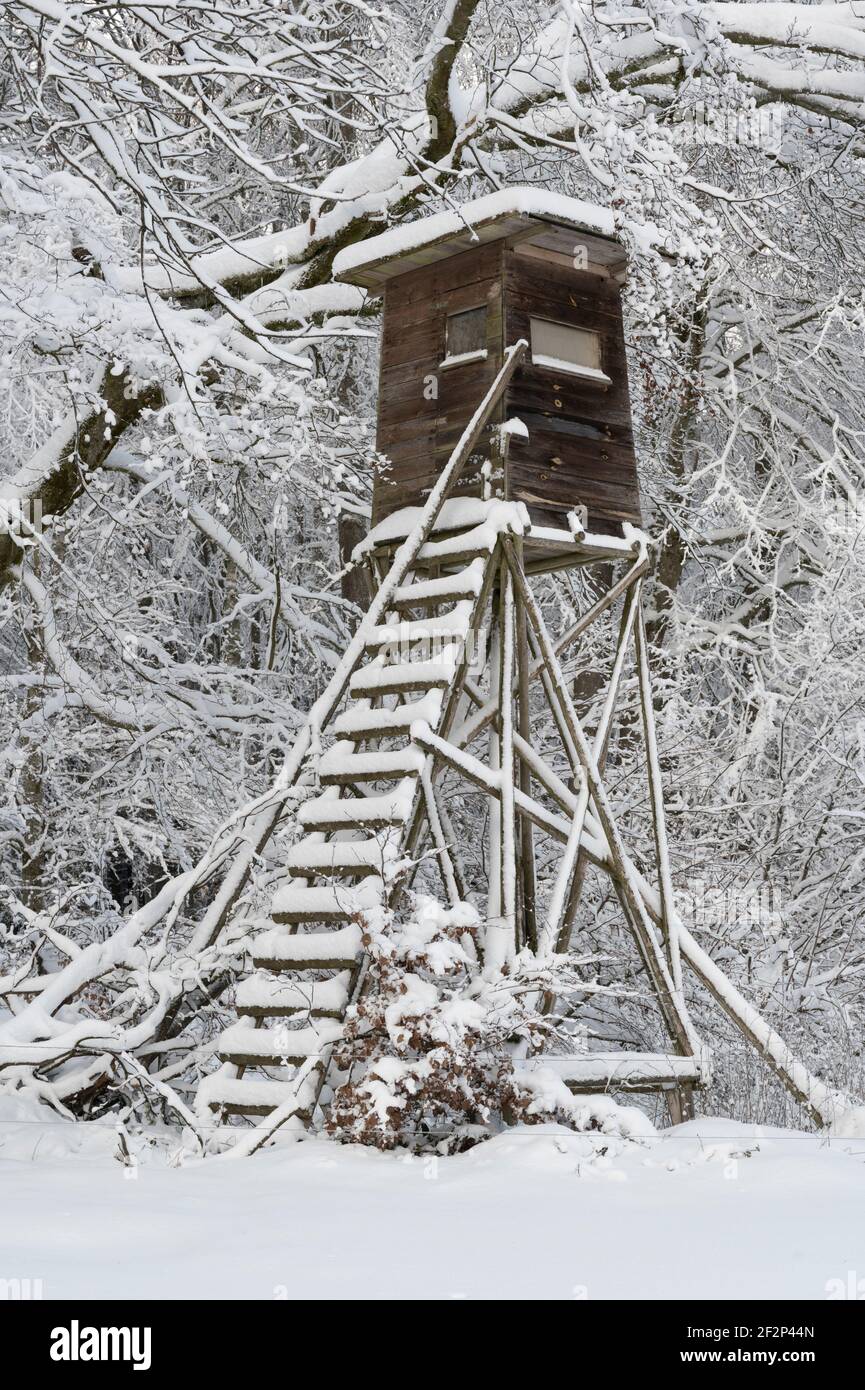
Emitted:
<point x="602" y="741"/>
<point x="508" y="814"/>
<point x="488" y="709"/>
<point x="526" y="840"/>
<point x="494" y="831"/>
<point x="670" y="1004"/>
<point x="681" y="1100"/>
<point x="569" y="882"/>
<point x="665" y="881"/>
<point x="439" y="839"/>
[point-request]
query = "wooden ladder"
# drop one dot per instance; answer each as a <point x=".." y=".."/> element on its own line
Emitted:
<point x="307" y="965"/>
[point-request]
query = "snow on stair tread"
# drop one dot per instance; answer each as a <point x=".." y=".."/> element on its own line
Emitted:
<point x="300" y="903"/>
<point x="338" y="765"/>
<point x="407" y="675"/>
<point x="453" y="624"/>
<point x="342" y="856"/>
<point x="385" y="722"/>
<point x="475" y="540"/>
<point x="262" y="995"/>
<point x="391" y="808"/>
<point x="334" y="950"/>
<point x="253" y="1095"/>
<point x="466" y="584"/>
<point x="456" y="514"/>
<point x="245" y="1045"/>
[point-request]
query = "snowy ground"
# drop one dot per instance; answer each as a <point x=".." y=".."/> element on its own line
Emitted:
<point x="710" y="1210"/>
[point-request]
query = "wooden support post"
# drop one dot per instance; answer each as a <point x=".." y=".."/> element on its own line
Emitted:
<point x="440" y="844"/>
<point x="656" y="793"/>
<point x="671" y="1005"/>
<point x="451" y="840"/>
<point x="537" y="669"/>
<point x="526" y="842"/>
<point x="680" y="1100"/>
<point x="494" y="744"/>
<point x="569" y="881"/>
<point x="508" y="815"/>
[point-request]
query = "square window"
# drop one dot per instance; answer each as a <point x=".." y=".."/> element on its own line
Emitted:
<point x="566" y="349"/>
<point x="466" y="336"/>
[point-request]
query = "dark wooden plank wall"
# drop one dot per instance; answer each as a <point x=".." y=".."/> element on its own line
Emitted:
<point x="415" y="433"/>
<point x="580" y="448"/>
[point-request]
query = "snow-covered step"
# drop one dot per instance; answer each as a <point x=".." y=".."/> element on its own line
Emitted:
<point x="359" y="812"/>
<point x="324" y="902"/>
<point x="252" y="1095"/>
<point x="364" y="724"/>
<point x="410" y="633"/>
<point x="334" y="950"/>
<point x="448" y="588"/>
<point x="633" y="1071"/>
<point x="457" y="514"/>
<point x="406" y="676"/>
<point x="341" y="768"/>
<point x="244" y="1045"/>
<point x="462" y="546"/>
<point x="262" y="996"/>
<point x="341" y="858"/>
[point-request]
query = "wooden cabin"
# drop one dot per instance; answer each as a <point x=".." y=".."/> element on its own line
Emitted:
<point x="458" y="287"/>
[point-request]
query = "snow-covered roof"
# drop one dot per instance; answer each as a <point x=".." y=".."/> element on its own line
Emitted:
<point x="495" y="215"/>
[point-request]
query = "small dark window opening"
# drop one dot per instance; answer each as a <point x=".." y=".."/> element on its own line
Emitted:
<point x="466" y="334"/>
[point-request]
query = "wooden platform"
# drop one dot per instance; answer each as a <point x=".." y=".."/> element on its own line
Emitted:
<point x="544" y="547"/>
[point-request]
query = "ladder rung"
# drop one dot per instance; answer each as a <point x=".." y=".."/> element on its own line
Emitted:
<point x="451" y="626"/>
<point x="361" y="812"/>
<point x="262" y="996"/>
<point x="244" y="1045"/>
<point x="389" y="723"/>
<point x="338" y="768"/>
<point x="406" y="676"/>
<point x="323" y="902"/>
<point x="340" y="858"/>
<point x="449" y="588"/>
<point x="336" y="950"/>
<point x="254" y="1096"/>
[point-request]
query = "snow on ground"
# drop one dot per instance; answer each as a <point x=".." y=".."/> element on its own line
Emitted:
<point x="713" y="1209"/>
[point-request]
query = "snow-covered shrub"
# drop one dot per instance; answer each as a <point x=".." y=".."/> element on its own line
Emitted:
<point x="431" y="1046"/>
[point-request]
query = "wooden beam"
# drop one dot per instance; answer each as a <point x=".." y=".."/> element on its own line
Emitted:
<point x="488" y="708"/>
<point x="508" y="814"/>
<point x="569" y="881"/>
<point x="526" y="844"/>
<point x="480" y="776"/>
<point x="631" y="1071"/>
<point x="442" y="848"/>
<point x="656" y="794"/>
<point x="672" y="1009"/>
